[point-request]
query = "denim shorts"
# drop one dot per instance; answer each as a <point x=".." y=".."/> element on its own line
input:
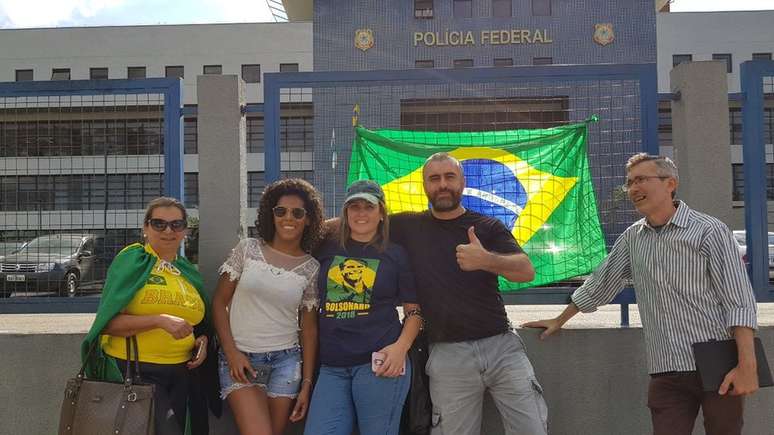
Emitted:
<point x="285" y="380"/>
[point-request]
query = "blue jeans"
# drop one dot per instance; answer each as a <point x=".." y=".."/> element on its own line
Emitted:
<point x="345" y="394"/>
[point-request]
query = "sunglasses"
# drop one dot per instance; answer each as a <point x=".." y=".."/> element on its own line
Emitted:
<point x="160" y="225"/>
<point x="297" y="213"/>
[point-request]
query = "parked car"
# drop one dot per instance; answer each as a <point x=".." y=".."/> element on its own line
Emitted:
<point x="57" y="262"/>
<point x="741" y="239"/>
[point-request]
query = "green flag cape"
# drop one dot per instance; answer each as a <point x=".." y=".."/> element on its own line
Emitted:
<point x="127" y="274"/>
<point x="537" y="182"/>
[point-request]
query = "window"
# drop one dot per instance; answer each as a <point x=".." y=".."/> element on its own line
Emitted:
<point x="98" y="73"/>
<point x="424" y="64"/>
<point x="501" y="8"/>
<point x="60" y="74"/>
<point x="135" y="72"/>
<point x="503" y="61"/>
<point x="296" y="129"/>
<point x="665" y="126"/>
<point x="463" y="63"/>
<point x="542" y="61"/>
<point x="735" y="125"/>
<point x="541" y="8"/>
<point x="23" y="75"/>
<point x="256" y="181"/>
<point x="212" y="69"/>
<point x="174" y="71"/>
<point x="463" y="8"/>
<point x="191" y="135"/>
<point x="423" y="8"/>
<point x="725" y="57"/>
<point x="737" y="178"/>
<point x="677" y="59"/>
<point x="254" y="133"/>
<point x="483" y="114"/>
<point x="79" y="192"/>
<point x="251" y="73"/>
<point x="288" y="67"/>
<point x="761" y="56"/>
<point x="191" y="188"/>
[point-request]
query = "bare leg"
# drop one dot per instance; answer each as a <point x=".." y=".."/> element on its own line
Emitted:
<point x="279" y="409"/>
<point x="251" y="411"/>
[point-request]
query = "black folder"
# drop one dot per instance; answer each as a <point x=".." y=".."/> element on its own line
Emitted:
<point x="714" y="359"/>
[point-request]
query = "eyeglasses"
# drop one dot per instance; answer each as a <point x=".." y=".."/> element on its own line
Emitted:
<point x="639" y="180"/>
<point x="297" y="213"/>
<point x="160" y="225"/>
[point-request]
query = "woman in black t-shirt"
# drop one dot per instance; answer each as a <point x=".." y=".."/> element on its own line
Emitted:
<point x="364" y="377"/>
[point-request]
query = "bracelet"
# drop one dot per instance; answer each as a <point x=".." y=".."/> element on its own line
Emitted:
<point x="305" y="380"/>
<point x="415" y="313"/>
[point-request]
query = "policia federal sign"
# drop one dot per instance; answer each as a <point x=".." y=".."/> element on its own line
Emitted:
<point x="484" y="37"/>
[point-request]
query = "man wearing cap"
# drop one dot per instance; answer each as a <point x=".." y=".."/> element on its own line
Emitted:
<point x="457" y="255"/>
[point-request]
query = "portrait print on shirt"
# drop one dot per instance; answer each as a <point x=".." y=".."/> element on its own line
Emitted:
<point x="350" y="286"/>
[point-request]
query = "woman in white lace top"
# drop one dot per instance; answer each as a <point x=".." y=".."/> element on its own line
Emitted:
<point x="267" y="289"/>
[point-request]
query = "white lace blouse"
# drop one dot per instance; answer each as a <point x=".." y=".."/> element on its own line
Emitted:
<point x="272" y="287"/>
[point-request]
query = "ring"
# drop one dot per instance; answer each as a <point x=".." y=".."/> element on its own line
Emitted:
<point x="378" y="362"/>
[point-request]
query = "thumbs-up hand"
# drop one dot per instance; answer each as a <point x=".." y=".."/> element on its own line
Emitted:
<point x="472" y="256"/>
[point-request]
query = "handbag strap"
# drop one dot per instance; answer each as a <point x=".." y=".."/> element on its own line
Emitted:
<point x="93" y="346"/>
<point x="132" y="361"/>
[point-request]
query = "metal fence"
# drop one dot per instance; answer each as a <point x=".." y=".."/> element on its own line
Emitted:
<point x="473" y="99"/>
<point x="79" y="160"/>
<point x="757" y="84"/>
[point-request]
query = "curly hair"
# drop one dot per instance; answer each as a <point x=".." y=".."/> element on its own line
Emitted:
<point x="312" y="203"/>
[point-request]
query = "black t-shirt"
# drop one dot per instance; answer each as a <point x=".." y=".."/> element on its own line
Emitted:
<point x="359" y="289"/>
<point x="457" y="305"/>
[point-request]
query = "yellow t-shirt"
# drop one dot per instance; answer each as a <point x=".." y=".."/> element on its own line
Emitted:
<point x="165" y="292"/>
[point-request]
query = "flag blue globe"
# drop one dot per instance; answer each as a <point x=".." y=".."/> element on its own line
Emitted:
<point x="492" y="189"/>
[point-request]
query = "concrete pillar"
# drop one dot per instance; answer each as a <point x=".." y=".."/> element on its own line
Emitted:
<point x="700" y="133"/>
<point x="222" y="170"/>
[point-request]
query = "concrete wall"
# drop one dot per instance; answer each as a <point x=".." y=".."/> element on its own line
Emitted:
<point x="595" y="383"/>
<point x="700" y="135"/>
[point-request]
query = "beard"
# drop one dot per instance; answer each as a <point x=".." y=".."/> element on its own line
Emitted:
<point x="447" y="203"/>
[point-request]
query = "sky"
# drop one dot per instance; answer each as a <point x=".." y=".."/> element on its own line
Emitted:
<point x="69" y="13"/>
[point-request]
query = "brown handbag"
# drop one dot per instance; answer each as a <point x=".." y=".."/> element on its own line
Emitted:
<point x="92" y="407"/>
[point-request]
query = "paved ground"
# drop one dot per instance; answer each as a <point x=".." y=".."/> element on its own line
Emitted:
<point x="605" y="317"/>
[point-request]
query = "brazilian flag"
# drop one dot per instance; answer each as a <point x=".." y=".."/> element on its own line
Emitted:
<point x="537" y="182"/>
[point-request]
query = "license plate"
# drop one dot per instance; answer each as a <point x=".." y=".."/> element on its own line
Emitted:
<point x="15" y="278"/>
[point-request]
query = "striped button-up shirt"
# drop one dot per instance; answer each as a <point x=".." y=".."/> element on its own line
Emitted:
<point x="690" y="282"/>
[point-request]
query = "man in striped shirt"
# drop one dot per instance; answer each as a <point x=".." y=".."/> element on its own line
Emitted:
<point x="691" y="286"/>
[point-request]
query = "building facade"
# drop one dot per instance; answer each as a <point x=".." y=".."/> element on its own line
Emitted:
<point x="315" y="125"/>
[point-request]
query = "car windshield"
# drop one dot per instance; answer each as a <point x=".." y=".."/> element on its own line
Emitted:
<point x="52" y="245"/>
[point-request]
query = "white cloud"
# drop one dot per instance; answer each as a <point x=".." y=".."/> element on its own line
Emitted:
<point x="45" y="13"/>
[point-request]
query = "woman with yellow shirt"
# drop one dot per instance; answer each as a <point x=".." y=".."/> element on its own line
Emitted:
<point x="156" y="295"/>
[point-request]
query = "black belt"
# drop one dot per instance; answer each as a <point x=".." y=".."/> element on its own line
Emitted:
<point x="672" y="373"/>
